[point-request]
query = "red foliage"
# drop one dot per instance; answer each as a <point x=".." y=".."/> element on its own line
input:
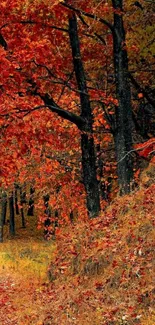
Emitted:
<point x="146" y="149"/>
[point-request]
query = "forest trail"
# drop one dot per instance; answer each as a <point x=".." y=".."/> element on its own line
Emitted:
<point x="24" y="262"/>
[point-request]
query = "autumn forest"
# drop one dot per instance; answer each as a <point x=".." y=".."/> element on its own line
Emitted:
<point x="77" y="165"/>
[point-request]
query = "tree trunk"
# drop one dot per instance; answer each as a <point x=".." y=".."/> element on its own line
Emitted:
<point x="89" y="175"/>
<point x="23" y="218"/>
<point x="3" y="213"/>
<point x="49" y="229"/>
<point x="30" y="211"/>
<point x="16" y="199"/>
<point x="1" y="230"/>
<point x="1" y="225"/>
<point x="87" y="141"/>
<point x="124" y="125"/>
<point x="12" y="214"/>
<point x="22" y="202"/>
<point x="4" y="207"/>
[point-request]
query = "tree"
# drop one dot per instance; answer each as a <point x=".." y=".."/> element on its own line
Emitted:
<point x="122" y="125"/>
<point x="3" y="213"/>
<point x="123" y="129"/>
<point x="84" y="123"/>
<point x="87" y="142"/>
<point x="41" y="80"/>
<point x="12" y="214"/>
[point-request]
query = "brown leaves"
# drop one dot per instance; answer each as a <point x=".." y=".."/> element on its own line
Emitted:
<point x="113" y="263"/>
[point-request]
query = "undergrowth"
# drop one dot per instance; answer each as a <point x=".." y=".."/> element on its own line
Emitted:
<point x="103" y="268"/>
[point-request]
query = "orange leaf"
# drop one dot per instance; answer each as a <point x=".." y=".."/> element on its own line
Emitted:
<point x="140" y="95"/>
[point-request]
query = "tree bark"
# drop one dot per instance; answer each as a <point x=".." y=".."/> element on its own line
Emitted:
<point x="12" y="214"/>
<point x="49" y="225"/>
<point x="1" y="231"/>
<point x="30" y="211"/>
<point x="124" y="125"/>
<point x="22" y="202"/>
<point x="1" y="225"/>
<point x="23" y="217"/>
<point x="3" y="213"/>
<point x="87" y="141"/>
<point x="16" y="199"/>
<point x="4" y="207"/>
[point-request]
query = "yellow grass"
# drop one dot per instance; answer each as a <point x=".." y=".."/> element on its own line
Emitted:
<point x="28" y="254"/>
<point x="24" y="262"/>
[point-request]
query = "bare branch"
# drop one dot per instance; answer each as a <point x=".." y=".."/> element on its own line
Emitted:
<point x="96" y="35"/>
<point x="66" y="84"/>
<point x="137" y="149"/>
<point x="141" y="89"/>
<point x="81" y="12"/>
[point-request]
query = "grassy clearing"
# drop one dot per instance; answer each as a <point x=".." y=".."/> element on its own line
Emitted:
<point x="28" y="254"/>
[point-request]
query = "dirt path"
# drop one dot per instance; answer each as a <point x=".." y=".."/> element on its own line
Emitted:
<point x="20" y="303"/>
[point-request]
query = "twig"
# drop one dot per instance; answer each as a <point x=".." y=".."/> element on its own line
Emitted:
<point x="134" y="150"/>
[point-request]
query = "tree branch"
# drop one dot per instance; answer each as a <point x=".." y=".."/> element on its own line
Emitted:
<point x="50" y="103"/>
<point x="79" y="11"/>
<point x="96" y="35"/>
<point x="141" y="89"/>
<point x="60" y="81"/>
<point x="32" y="22"/>
<point x="138" y="149"/>
<point x="110" y="118"/>
<point x="3" y="42"/>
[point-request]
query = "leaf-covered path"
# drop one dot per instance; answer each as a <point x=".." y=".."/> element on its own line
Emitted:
<point x="20" y="302"/>
<point x="23" y="273"/>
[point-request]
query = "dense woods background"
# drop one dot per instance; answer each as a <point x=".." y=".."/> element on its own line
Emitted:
<point x="77" y="122"/>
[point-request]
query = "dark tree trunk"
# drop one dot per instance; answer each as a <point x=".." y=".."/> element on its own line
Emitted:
<point x="1" y="225"/>
<point x="48" y="233"/>
<point x="16" y="199"/>
<point x="124" y="125"/>
<point x="56" y="215"/>
<point x="30" y="211"/>
<point x="23" y="217"/>
<point x="3" y="213"/>
<point x="22" y="202"/>
<point x="12" y="214"/>
<point x="3" y="207"/>
<point x="87" y="141"/>
<point x="71" y="217"/>
<point x="1" y="230"/>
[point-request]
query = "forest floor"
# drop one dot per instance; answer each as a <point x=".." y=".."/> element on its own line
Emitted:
<point x="101" y="271"/>
<point x="24" y="262"/>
